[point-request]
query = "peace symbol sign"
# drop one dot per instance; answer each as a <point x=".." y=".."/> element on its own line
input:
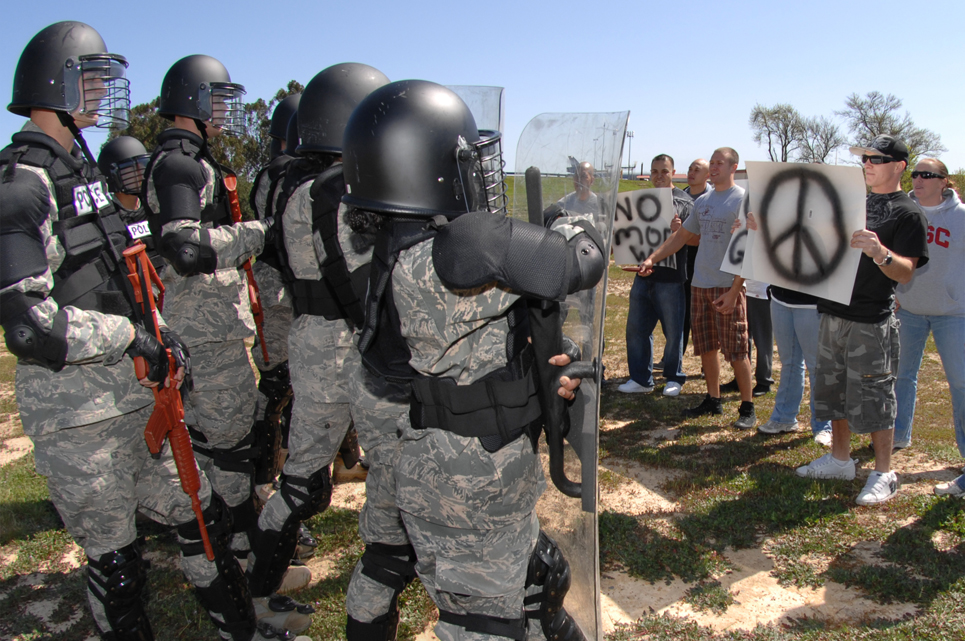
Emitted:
<point x="802" y="239"/>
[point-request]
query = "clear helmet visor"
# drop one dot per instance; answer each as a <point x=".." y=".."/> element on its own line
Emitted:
<point x="97" y="92"/>
<point x="220" y="104"/>
<point x="127" y="176"/>
<point x="482" y="172"/>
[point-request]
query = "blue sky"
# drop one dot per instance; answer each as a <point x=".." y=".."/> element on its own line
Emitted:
<point x="689" y="73"/>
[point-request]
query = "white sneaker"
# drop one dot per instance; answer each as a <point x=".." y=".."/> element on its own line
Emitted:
<point x="633" y="387"/>
<point x="880" y="487"/>
<point x="952" y="488"/>
<point x="672" y="389"/>
<point x="827" y="467"/>
<point x="773" y="427"/>
<point x="823" y="438"/>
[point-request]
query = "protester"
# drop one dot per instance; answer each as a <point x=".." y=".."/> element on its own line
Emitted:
<point x="934" y="302"/>
<point x="659" y="297"/>
<point x="858" y="342"/>
<point x="719" y="310"/>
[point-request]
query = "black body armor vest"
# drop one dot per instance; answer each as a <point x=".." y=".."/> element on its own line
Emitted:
<point x="275" y="170"/>
<point x="497" y="408"/>
<point x="336" y="295"/>
<point x="92" y="275"/>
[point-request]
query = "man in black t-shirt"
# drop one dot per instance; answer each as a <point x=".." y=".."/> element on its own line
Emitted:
<point x="858" y="343"/>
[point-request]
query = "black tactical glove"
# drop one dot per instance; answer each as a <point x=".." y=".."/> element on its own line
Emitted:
<point x="182" y="357"/>
<point x="571" y="349"/>
<point x="146" y="346"/>
<point x="271" y="230"/>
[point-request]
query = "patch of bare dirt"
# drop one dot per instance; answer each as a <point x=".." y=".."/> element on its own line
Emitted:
<point x="638" y="490"/>
<point x="14" y="449"/>
<point x="759" y="596"/>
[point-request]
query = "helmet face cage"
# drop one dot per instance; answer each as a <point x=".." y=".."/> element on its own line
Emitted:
<point x="128" y="175"/>
<point x="97" y="89"/>
<point x="483" y="184"/>
<point x="220" y="104"/>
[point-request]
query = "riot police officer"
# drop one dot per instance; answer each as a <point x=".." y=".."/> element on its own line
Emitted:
<point x="318" y="273"/>
<point x="67" y="312"/>
<point x="274" y="384"/>
<point x="206" y="301"/>
<point x="445" y="311"/>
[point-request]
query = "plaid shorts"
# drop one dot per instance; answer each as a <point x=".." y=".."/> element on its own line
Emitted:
<point x="712" y="330"/>
<point x="855" y="373"/>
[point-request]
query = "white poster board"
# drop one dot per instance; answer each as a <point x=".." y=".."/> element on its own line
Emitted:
<point x="642" y="224"/>
<point x="734" y="256"/>
<point x="806" y="215"/>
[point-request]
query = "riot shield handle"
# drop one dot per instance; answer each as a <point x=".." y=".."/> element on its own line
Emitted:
<point x="546" y="327"/>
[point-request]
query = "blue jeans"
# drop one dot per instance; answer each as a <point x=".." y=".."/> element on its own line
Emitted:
<point x="949" y="332"/>
<point x="796" y="334"/>
<point x="649" y="302"/>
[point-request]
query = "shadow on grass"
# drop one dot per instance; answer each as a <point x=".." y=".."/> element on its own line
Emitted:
<point x="916" y="570"/>
<point x="45" y="606"/>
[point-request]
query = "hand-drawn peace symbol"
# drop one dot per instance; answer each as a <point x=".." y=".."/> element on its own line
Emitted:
<point x="652" y="202"/>
<point x="801" y="237"/>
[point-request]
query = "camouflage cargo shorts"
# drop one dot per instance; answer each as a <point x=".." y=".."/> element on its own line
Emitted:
<point x="856" y="369"/>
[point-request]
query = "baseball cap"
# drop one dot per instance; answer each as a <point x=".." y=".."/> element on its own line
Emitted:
<point x="884" y="146"/>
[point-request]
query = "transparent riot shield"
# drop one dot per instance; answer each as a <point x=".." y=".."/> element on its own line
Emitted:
<point x="487" y="104"/>
<point x="560" y="146"/>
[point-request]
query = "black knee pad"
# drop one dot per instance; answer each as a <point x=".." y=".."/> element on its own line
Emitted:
<point x="548" y="569"/>
<point x="228" y="596"/>
<point x="382" y="563"/>
<point x="274" y="548"/>
<point x="240" y="457"/>
<point x="117" y="580"/>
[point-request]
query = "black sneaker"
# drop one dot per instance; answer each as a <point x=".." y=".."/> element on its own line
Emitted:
<point x="761" y="389"/>
<point x="709" y="405"/>
<point x="746" y="418"/>
<point x="727" y="388"/>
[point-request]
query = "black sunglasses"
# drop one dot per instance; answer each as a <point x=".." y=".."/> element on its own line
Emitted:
<point x="878" y="160"/>
<point x="926" y="174"/>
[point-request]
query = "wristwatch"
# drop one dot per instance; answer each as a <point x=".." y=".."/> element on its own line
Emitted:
<point x="886" y="261"/>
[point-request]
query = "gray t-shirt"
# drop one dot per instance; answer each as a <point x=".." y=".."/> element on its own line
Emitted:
<point x="714" y="213"/>
<point x="571" y="202"/>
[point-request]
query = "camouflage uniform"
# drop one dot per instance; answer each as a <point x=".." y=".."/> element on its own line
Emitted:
<point x="212" y="314"/>
<point x="87" y="423"/>
<point x="470" y="513"/>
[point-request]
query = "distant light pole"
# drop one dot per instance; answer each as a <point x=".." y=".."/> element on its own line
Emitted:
<point x="629" y="152"/>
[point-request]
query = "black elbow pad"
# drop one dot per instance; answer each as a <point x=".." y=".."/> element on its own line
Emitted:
<point x="187" y="255"/>
<point x="481" y="247"/>
<point x="31" y="343"/>
<point x="585" y="262"/>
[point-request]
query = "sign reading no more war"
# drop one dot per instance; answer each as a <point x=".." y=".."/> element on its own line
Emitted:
<point x="642" y="223"/>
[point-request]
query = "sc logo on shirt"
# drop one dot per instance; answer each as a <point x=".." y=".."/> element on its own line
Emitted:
<point x="87" y="197"/>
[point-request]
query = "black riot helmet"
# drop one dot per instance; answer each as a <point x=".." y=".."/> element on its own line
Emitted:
<point x="199" y="87"/>
<point x="278" y="129"/>
<point x="123" y="161"/>
<point x="412" y="149"/>
<point x="66" y="68"/>
<point x="282" y="114"/>
<point x="291" y="136"/>
<point x="329" y="100"/>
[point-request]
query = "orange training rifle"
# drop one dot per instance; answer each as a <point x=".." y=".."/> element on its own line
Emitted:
<point x="254" y="298"/>
<point x="167" y="420"/>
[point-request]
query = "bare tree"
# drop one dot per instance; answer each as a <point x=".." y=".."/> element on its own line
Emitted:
<point x="816" y="138"/>
<point x="775" y="126"/>
<point x="879" y="114"/>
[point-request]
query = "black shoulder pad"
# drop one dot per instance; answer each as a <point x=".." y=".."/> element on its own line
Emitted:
<point x="481" y="247"/>
<point x="178" y="181"/>
<point x="24" y="201"/>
